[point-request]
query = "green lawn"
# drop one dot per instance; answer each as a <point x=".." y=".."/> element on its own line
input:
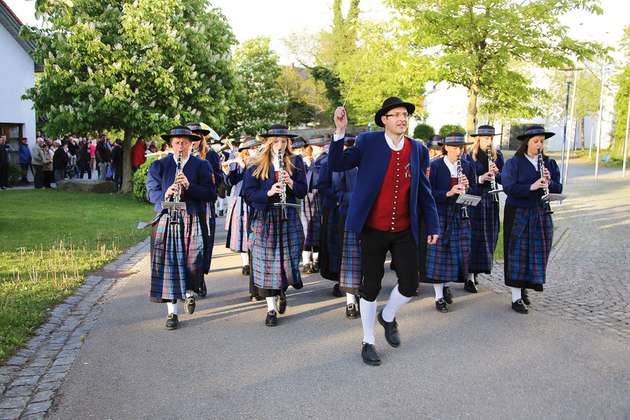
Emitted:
<point x="614" y="158"/>
<point x="49" y="240"/>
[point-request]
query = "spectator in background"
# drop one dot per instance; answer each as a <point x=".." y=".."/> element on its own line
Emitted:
<point x="37" y="163"/>
<point x="84" y="159"/>
<point x="117" y="162"/>
<point x="25" y="160"/>
<point x="152" y="147"/>
<point x="92" y="149"/>
<point x="138" y="154"/>
<point x="60" y="161"/>
<point x="48" y="153"/>
<point x="103" y="158"/>
<point x="4" y="163"/>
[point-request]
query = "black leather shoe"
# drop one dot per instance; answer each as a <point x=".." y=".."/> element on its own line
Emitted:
<point x="369" y="355"/>
<point x="282" y="303"/>
<point x="440" y="305"/>
<point x="352" y="312"/>
<point x="272" y="319"/>
<point x="203" y="291"/>
<point x="307" y="268"/>
<point x="245" y="271"/>
<point x="520" y="307"/>
<point x="315" y="267"/>
<point x="525" y="297"/>
<point x="469" y="286"/>
<point x="448" y="295"/>
<point x="190" y="305"/>
<point x="392" y="267"/>
<point x="391" y="330"/>
<point x="336" y="292"/>
<point x="476" y="280"/>
<point x="172" y="322"/>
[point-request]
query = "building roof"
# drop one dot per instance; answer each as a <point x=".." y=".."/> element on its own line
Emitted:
<point x="12" y="23"/>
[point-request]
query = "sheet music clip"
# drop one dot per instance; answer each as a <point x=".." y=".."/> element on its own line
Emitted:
<point x="553" y="197"/>
<point x="468" y="200"/>
<point x="496" y="192"/>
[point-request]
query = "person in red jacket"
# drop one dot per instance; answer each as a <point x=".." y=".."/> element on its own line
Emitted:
<point x="138" y="154"/>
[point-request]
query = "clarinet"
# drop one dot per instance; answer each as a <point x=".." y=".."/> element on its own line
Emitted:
<point x="493" y="182"/>
<point x="283" y="192"/>
<point x="460" y="179"/>
<point x="541" y="170"/>
<point x="175" y="206"/>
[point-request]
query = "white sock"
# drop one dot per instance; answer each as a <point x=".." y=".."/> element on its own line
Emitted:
<point x="306" y="257"/>
<point x="439" y="290"/>
<point x="396" y="301"/>
<point x="315" y="256"/>
<point x="172" y="308"/>
<point x="516" y="293"/>
<point x="189" y="293"/>
<point x="351" y="299"/>
<point x="271" y="303"/>
<point x="368" y="318"/>
<point x="244" y="258"/>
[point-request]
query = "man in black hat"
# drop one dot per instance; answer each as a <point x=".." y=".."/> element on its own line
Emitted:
<point x="391" y="194"/>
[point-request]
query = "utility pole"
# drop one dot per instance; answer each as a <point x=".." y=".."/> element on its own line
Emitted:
<point x="565" y="172"/>
<point x="625" y="143"/>
<point x="564" y="131"/>
<point x="599" y="123"/>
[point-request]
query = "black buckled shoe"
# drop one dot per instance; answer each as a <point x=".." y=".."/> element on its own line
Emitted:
<point x="336" y="292"/>
<point x="172" y="322"/>
<point x="352" y="312"/>
<point x="315" y="267"/>
<point x="448" y="295"/>
<point x="272" y="319"/>
<point x="440" y="305"/>
<point x="470" y="287"/>
<point x="525" y="297"/>
<point x="391" y="330"/>
<point x="245" y="271"/>
<point x="190" y="305"/>
<point x="369" y="355"/>
<point x="520" y="307"/>
<point x="282" y="303"/>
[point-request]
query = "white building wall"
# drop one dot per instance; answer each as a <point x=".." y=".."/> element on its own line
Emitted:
<point x="16" y="76"/>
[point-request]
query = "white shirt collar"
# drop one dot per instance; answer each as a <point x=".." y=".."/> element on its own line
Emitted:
<point x="391" y="145"/>
<point x="184" y="161"/>
<point x="533" y="161"/>
<point x="452" y="167"/>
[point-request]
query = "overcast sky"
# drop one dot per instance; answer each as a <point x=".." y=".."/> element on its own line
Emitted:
<point x="278" y="19"/>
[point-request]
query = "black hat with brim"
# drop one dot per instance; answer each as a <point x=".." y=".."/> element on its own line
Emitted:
<point x="278" y="130"/>
<point x="248" y="144"/>
<point x="298" y="143"/>
<point x="181" y="131"/>
<point x="533" y="131"/>
<point x="389" y="104"/>
<point x="454" y="139"/>
<point x="349" y="140"/>
<point x="434" y="142"/>
<point x="485" y="130"/>
<point x="318" y="141"/>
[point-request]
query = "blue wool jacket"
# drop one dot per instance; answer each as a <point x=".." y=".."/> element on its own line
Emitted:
<point x="371" y="154"/>
<point x="214" y="160"/>
<point x="481" y="168"/>
<point x="255" y="190"/>
<point x="161" y="176"/>
<point x="343" y="185"/>
<point x="25" y="154"/>
<point x="519" y="174"/>
<point x="313" y="171"/>
<point x="440" y="178"/>
<point x="325" y="186"/>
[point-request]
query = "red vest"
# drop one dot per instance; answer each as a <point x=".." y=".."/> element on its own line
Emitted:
<point x="390" y="212"/>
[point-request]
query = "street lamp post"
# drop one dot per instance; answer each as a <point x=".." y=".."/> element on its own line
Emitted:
<point x="599" y="122"/>
<point x="625" y="143"/>
<point x="565" y="172"/>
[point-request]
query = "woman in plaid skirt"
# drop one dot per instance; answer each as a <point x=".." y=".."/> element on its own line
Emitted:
<point x="527" y="223"/>
<point x="484" y="218"/>
<point x="447" y="260"/>
<point x="276" y="237"/>
<point x="178" y="250"/>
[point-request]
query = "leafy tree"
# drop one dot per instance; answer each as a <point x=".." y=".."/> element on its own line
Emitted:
<point x="451" y="128"/>
<point x="423" y="131"/>
<point x="140" y="66"/>
<point x="304" y="96"/>
<point x="621" y="99"/>
<point x="482" y="44"/>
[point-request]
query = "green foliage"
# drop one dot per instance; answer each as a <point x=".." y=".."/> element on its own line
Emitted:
<point x="56" y="239"/>
<point x="621" y="99"/>
<point x="423" y="131"/>
<point x="451" y="128"/>
<point x="140" y="181"/>
<point x="304" y="96"/>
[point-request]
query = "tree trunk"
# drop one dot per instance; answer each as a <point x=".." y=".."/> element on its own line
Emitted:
<point x="471" y="117"/>
<point x="127" y="175"/>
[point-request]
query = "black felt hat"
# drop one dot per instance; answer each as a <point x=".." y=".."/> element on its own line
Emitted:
<point x="278" y="130"/>
<point x="533" y="131"/>
<point x="298" y="143"/>
<point x="181" y="131"/>
<point x="248" y="144"/>
<point x="484" y="130"/>
<point x="454" y="139"/>
<point x="434" y="142"/>
<point x="391" y="103"/>
<point x="318" y="141"/>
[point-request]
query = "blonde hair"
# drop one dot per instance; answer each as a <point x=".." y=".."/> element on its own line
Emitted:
<point x="474" y="149"/>
<point x="263" y="161"/>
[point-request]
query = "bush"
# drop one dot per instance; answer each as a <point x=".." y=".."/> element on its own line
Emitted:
<point x="140" y="181"/>
<point x="15" y="175"/>
<point x="423" y="131"/>
<point x="451" y="128"/>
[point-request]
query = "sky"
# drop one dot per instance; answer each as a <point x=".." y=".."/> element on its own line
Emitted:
<point x="278" y="19"/>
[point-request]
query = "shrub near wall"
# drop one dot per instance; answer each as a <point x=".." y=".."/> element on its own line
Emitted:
<point x="140" y="181"/>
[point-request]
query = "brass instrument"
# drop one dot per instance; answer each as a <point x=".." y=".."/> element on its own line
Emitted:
<point x="460" y="181"/>
<point x="494" y="190"/>
<point x="175" y="207"/>
<point x="546" y="197"/>
<point x="283" y="193"/>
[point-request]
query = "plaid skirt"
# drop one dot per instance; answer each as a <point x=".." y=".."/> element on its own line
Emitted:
<point x="528" y="236"/>
<point x="447" y="260"/>
<point x="484" y="222"/>
<point x="275" y="247"/>
<point x="330" y="245"/>
<point x="236" y="225"/>
<point x="350" y="274"/>
<point x="177" y="256"/>
<point x="311" y="219"/>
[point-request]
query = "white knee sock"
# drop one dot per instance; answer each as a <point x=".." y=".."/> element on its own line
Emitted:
<point x="306" y="257"/>
<point x="244" y="258"/>
<point x="171" y="307"/>
<point x="516" y="293"/>
<point x="439" y="290"/>
<point x="368" y="318"/>
<point x="396" y="301"/>
<point x="315" y="256"/>
<point x="271" y="303"/>
<point x="351" y="299"/>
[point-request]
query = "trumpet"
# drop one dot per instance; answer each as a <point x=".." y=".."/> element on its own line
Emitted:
<point x="494" y="190"/>
<point x="175" y="206"/>
<point x="460" y="181"/>
<point x="541" y="169"/>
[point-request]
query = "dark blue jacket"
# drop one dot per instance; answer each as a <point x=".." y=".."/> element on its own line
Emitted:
<point x="519" y="174"/>
<point x="481" y="168"/>
<point x="371" y="154"/>
<point x="440" y="178"/>
<point x="161" y="176"/>
<point x="313" y="171"/>
<point x="25" y="154"/>
<point x="343" y="184"/>
<point x="255" y="190"/>
<point x="325" y="187"/>
<point x="215" y="163"/>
